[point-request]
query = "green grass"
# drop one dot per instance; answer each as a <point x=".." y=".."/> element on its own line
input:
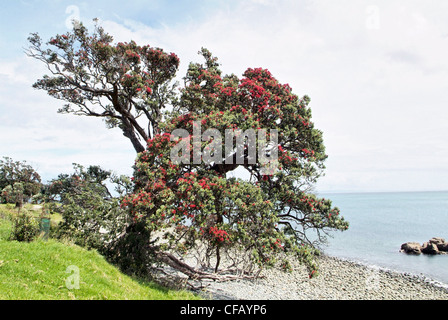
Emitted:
<point x="53" y="270"/>
<point x="5" y="223"/>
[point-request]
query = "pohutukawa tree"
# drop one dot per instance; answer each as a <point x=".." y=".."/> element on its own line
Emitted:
<point x="199" y="209"/>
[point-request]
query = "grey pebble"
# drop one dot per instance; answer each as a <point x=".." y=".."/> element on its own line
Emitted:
<point x="337" y="280"/>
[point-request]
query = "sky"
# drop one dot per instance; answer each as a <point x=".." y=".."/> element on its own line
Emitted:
<point x="376" y="72"/>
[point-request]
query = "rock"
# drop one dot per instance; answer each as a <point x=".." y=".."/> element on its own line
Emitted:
<point x="441" y="244"/>
<point x="437" y="240"/>
<point x="443" y="247"/>
<point x="435" y="245"/>
<point x="411" y="247"/>
<point x="429" y="248"/>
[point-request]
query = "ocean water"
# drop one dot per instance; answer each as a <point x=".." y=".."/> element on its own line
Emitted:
<point x="381" y="222"/>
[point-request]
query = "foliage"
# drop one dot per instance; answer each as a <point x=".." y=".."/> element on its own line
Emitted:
<point x="191" y="207"/>
<point x="93" y="218"/>
<point x="117" y="82"/>
<point x="25" y="227"/>
<point x="91" y="215"/>
<point x="264" y="216"/>
<point x="18" y="181"/>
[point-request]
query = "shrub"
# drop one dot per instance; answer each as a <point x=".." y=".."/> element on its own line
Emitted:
<point x="25" y="228"/>
<point x="91" y="215"/>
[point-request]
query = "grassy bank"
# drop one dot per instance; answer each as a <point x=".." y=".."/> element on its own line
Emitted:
<point x="56" y="271"/>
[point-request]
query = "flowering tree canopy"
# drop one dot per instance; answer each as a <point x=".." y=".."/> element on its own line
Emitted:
<point x="117" y="82"/>
<point x="266" y="216"/>
<point x="227" y="171"/>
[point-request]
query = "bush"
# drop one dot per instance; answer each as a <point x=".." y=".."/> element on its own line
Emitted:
<point x="25" y="228"/>
<point x="91" y="215"/>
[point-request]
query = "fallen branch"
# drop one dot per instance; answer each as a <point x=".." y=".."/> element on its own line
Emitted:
<point x="196" y="274"/>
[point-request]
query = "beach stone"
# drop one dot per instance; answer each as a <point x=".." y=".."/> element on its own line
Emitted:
<point x="337" y="280"/>
<point x="441" y="244"/>
<point x="429" y="248"/>
<point x="443" y="247"/>
<point x="411" y="247"/>
<point x="437" y="240"/>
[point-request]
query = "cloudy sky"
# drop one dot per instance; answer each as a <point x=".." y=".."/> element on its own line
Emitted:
<point x="376" y="72"/>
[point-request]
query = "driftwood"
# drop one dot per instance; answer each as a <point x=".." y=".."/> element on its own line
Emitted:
<point x="196" y="274"/>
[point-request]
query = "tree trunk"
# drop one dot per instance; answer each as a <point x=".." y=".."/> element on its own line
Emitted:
<point x="192" y="273"/>
<point x="130" y="134"/>
<point x="218" y="259"/>
<point x="19" y="202"/>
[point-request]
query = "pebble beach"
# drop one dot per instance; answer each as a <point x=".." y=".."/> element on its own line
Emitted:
<point x="337" y="280"/>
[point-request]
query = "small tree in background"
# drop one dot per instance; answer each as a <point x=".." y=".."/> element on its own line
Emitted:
<point x="18" y="181"/>
<point x="89" y="202"/>
<point x="91" y="214"/>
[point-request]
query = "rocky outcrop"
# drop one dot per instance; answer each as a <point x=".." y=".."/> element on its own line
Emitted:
<point x="433" y="246"/>
<point x="411" y="247"/>
<point x="441" y="244"/>
<point x="429" y="248"/>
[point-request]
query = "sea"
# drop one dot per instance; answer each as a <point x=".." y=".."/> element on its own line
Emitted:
<point x="381" y="222"/>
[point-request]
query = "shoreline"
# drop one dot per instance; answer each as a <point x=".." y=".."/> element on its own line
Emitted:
<point x="338" y="279"/>
<point x="411" y="275"/>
